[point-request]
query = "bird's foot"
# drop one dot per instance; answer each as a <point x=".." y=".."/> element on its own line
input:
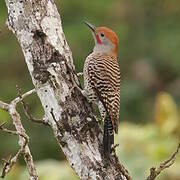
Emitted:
<point x="113" y="148"/>
<point x="79" y="74"/>
<point x="75" y="86"/>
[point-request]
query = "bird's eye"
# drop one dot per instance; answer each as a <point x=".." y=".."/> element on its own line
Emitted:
<point x="102" y="35"/>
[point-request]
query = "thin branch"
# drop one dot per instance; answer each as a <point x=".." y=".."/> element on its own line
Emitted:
<point x="155" y="171"/>
<point x="4" y="106"/>
<point x="53" y="116"/>
<point x="30" y="116"/>
<point x="8" y="164"/>
<point x="19" y="99"/>
<point x="13" y="132"/>
<point x="26" y="109"/>
<point x="1" y="126"/>
<point x="23" y="138"/>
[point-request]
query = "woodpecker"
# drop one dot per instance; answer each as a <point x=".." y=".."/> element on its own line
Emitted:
<point x="102" y="81"/>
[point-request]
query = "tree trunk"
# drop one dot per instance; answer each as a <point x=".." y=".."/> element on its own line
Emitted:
<point x="37" y="26"/>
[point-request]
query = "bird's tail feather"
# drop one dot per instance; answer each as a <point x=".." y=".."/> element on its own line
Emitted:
<point x="108" y="136"/>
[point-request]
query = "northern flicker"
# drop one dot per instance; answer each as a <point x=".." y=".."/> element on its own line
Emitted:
<point x="102" y="81"/>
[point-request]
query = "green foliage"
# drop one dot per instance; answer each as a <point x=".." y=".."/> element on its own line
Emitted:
<point x="166" y="113"/>
<point x="142" y="147"/>
<point x="4" y="116"/>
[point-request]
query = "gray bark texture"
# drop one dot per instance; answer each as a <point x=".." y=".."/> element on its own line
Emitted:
<point x="37" y="26"/>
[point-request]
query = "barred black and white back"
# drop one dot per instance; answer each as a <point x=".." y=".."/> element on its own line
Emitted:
<point x="102" y="86"/>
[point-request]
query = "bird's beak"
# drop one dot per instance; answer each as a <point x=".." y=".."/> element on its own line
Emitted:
<point x="92" y="27"/>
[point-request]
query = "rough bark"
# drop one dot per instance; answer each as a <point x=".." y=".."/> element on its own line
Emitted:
<point x="37" y="26"/>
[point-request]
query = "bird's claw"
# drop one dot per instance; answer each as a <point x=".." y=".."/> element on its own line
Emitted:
<point x="80" y="74"/>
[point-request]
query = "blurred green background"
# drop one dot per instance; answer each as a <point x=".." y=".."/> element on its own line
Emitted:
<point x="149" y="57"/>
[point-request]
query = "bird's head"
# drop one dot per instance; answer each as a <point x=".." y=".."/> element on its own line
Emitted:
<point x="106" y="40"/>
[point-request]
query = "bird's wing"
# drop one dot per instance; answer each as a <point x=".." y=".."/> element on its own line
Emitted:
<point x="104" y="73"/>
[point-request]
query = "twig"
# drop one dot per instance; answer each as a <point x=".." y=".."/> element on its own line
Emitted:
<point x="23" y="138"/>
<point x="8" y="164"/>
<point x="19" y="99"/>
<point x="26" y="109"/>
<point x="13" y="132"/>
<point x="30" y="117"/>
<point x="1" y="126"/>
<point x="53" y="116"/>
<point x="6" y="168"/>
<point x="154" y="172"/>
<point x="4" y="106"/>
